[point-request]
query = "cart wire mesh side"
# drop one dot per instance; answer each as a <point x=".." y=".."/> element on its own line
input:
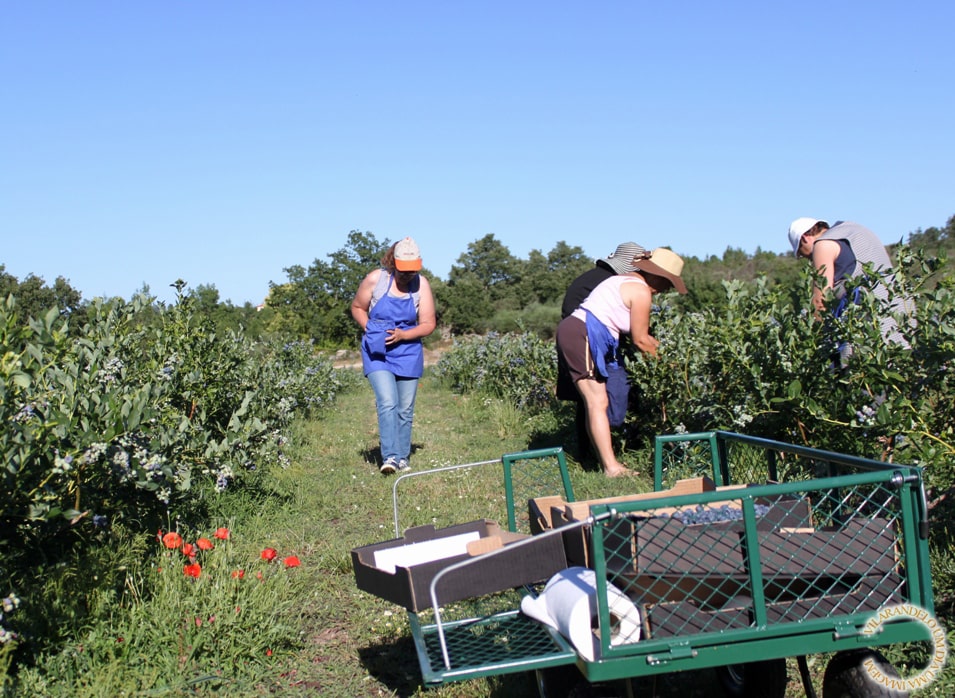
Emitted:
<point x="753" y="572"/>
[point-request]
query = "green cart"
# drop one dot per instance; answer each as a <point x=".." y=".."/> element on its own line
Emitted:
<point x="793" y="551"/>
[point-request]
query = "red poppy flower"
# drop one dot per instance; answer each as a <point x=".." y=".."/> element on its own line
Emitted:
<point x="204" y="544"/>
<point x="172" y="540"/>
<point x="292" y="561"/>
<point x="189" y="550"/>
<point x="221" y="534"/>
<point x="269" y="554"/>
<point x="192" y="570"/>
<point x="238" y="574"/>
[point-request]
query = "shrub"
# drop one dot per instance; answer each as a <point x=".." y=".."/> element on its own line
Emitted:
<point x="763" y="365"/>
<point x="519" y="368"/>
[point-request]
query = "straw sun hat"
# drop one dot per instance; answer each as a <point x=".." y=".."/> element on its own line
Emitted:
<point x="665" y="263"/>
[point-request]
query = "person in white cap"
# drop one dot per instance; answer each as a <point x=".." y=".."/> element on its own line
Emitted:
<point x="588" y="342"/>
<point x="395" y="307"/>
<point x="841" y="252"/>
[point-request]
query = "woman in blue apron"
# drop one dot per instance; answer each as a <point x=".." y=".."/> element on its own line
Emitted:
<point x="395" y="308"/>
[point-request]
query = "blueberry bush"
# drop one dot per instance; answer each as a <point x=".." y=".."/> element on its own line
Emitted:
<point x="518" y="368"/>
<point x="763" y="363"/>
<point x="137" y="419"/>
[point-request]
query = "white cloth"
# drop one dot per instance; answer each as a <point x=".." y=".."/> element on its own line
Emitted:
<point x="569" y="605"/>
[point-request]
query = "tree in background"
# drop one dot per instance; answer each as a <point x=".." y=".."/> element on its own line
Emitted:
<point x="34" y="298"/>
<point x="226" y="316"/>
<point x="545" y="278"/>
<point x="704" y="278"/>
<point x="936" y="241"/>
<point x="489" y="288"/>
<point x="314" y="303"/>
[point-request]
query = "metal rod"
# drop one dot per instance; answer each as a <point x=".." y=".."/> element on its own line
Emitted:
<point x="530" y="540"/>
<point x="394" y="488"/>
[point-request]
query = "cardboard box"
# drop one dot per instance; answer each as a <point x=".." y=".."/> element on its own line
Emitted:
<point x="862" y="547"/>
<point x="379" y="570"/>
<point x="705" y="564"/>
<point x="554" y="512"/>
<point x="680" y="618"/>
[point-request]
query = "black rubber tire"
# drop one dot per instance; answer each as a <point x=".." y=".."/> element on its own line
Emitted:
<point x="846" y="677"/>
<point x="754" y="680"/>
<point x="612" y="689"/>
<point x="568" y="682"/>
<point x="558" y="681"/>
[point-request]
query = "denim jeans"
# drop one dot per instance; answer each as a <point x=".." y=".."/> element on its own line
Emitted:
<point x="394" y="399"/>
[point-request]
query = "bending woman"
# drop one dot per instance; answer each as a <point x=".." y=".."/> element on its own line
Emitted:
<point x="588" y="340"/>
<point x="395" y="308"/>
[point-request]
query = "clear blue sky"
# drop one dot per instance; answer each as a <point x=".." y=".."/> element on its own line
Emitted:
<point x="223" y="141"/>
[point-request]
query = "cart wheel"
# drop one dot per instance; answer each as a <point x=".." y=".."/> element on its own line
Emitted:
<point x="558" y="681"/>
<point x="846" y="676"/>
<point x="568" y="682"/>
<point x="612" y="689"/>
<point x="754" y="680"/>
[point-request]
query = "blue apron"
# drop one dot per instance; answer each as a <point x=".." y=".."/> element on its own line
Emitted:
<point x="404" y="359"/>
<point x="608" y="362"/>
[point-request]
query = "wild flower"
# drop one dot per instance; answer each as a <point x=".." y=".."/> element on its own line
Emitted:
<point x="9" y="605"/>
<point x="25" y="413"/>
<point x="197" y="564"/>
<point x="94" y="452"/>
<point x="223" y="479"/>
<point x="62" y="464"/>
<point x="110" y="370"/>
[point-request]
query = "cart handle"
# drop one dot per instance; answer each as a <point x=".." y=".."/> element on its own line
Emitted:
<point x="394" y="488"/>
<point x="898" y="479"/>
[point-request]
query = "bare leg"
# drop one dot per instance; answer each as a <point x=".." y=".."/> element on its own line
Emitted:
<point x="598" y="425"/>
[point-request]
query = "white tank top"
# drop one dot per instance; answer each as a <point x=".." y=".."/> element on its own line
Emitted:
<point x="607" y="305"/>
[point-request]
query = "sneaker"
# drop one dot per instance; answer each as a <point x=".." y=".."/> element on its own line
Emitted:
<point x="388" y="467"/>
<point x="403" y="465"/>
